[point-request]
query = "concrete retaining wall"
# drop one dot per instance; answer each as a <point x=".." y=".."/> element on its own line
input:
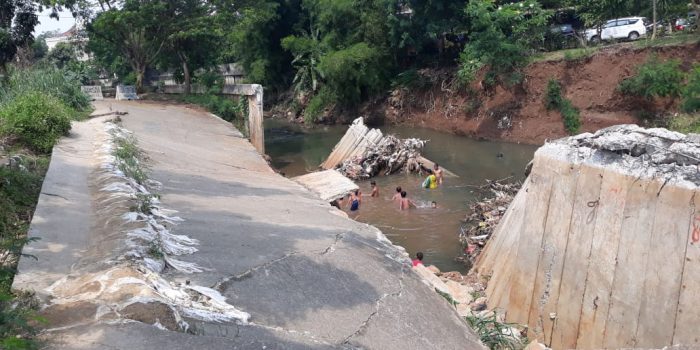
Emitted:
<point x="601" y="246"/>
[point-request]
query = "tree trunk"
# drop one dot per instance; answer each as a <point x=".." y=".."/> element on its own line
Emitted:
<point x="140" y="72"/>
<point x="653" y="29"/>
<point x="188" y="78"/>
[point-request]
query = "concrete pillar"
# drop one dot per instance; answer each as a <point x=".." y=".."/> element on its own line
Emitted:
<point x="255" y="118"/>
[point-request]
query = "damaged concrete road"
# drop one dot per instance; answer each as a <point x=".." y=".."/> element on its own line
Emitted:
<point x="308" y="277"/>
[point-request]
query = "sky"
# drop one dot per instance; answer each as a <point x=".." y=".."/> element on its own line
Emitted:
<point x="46" y="23"/>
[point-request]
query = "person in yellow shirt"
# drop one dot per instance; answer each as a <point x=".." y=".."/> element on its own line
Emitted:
<point x="431" y="181"/>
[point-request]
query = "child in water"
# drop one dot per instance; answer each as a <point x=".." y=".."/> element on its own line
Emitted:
<point x="375" y="189"/>
<point x="438" y="173"/>
<point x="430" y="181"/>
<point x="405" y="203"/>
<point x="355" y="199"/>
<point x="433" y="205"/>
<point x="397" y="195"/>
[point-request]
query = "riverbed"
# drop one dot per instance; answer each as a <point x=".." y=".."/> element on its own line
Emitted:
<point x="295" y="151"/>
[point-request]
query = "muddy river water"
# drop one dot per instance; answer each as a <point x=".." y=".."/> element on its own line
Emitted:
<point x="296" y="151"/>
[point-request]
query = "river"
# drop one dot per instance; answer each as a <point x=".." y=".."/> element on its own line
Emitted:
<point x="296" y="151"/>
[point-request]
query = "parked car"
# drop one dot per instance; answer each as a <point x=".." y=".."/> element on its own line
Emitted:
<point x="681" y="24"/>
<point x="631" y="28"/>
<point x="566" y="29"/>
<point x="660" y="27"/>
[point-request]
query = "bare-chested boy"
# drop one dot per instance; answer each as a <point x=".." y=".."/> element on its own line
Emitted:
<point x="375" y="189"/>
<point x="405" y="203"/>
<point x="397" y="195"/>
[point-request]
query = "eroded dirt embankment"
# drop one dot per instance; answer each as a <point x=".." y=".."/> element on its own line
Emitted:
<point x="590" y="83"/>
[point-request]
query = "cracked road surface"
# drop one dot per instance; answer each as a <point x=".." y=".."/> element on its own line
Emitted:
<point x="309" y="277"/>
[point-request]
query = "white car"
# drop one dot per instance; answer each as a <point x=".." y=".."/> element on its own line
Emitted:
<point x="631" y="28"/>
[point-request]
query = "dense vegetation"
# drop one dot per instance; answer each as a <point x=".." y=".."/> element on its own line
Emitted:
<point x="336" y="53"/>
<point x="36" y="107"/>
<point x="39" y="96"/>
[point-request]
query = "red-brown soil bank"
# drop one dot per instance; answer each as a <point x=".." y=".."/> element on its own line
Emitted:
<point x="590" y="83"/>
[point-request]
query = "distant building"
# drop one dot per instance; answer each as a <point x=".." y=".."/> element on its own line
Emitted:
<point x="75" y="36"/>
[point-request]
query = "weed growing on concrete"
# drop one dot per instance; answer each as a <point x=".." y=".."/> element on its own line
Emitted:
<point x="447" y="297"/>
<point x="554" y="100"/>
<point x="155" y="250"/>
<point x="129" y="158"/>
<point x="495" y="334"/>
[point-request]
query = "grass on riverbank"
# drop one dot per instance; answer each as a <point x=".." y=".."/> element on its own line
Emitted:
<point x="677" y="39"/>
<point x="685" y="123"/>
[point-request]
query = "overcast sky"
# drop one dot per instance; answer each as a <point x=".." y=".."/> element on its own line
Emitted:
<point x="46" y="23"/>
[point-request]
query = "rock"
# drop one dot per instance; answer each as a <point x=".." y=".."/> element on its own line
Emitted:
<point x="452" y="276"/>
<point x="479" y="304"/>
<point x="152" y="313"/>
<point x="460" y="293"/>
<point x="430" y="278"/>
<point x="463" y="310"/>
<point x="535" y="345"/>
<point x="433" y="269"/>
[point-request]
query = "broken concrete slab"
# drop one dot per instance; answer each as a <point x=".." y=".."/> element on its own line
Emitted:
<point x="600" y="244"/>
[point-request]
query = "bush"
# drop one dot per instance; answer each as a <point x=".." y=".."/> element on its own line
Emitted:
<point x="36" y="119"/>
<point x="553" y="97"/>
<point x="570" y="114"/>
<point x="61" y="84"/>
<point x="318" y="104"/>
<point x="691" y="92"/>
<point x="654" y="79"/>
<point x="554" y="100"/>
<point x="19" y="190"/>
<point x="226" y="108"/>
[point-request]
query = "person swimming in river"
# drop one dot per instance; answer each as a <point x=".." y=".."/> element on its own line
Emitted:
<point x="375" y="189"/>
<point x="418" y="260"/>
<point x="433" y="205"/>
<point x="405" y="203"/>
<point x="355" y="200"/>
<point x="397" y="195"/>
<point x="431" y="181"/>
<point x="438" y="173"/>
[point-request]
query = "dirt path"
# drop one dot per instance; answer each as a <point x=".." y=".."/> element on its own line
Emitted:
<point x="308" y="277"/>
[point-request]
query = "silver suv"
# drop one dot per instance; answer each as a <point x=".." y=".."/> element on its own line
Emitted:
<point x="631" y="28"/>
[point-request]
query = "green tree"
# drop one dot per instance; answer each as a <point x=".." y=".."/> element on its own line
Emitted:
<point x="501" y="38"/>
<point x="255" y="39"/>
<point x="135" y="34"/>
<point x="194" y="38"/>
<point x="61" y="54"/>
<point x="39" y="48"/>
<point x="17" y="21"/>
<point x="595" y="12"/>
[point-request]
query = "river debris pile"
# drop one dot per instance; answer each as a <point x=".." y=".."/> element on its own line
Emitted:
<point x="363" y="153"/>
<point x="388" y="156"/>
<point x="485" y="215"/>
